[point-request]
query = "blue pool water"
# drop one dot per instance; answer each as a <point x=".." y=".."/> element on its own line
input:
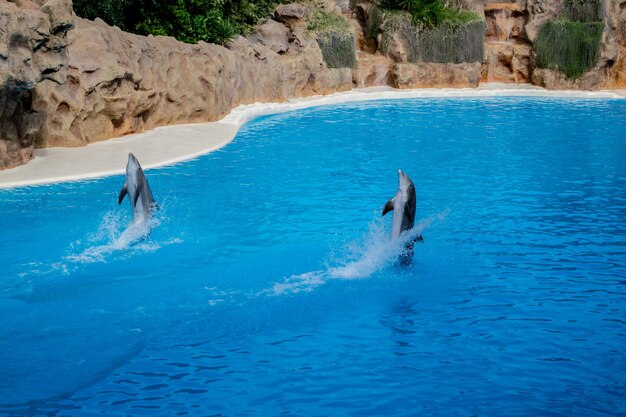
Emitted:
<point x="268" y="286"/>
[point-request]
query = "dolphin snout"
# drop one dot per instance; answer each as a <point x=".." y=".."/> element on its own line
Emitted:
<point x="132" y="161"/>
<point x="404" y="180"/>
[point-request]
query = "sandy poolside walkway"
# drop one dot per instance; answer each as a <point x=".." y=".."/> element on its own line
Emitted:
<point x="170" y="144"/>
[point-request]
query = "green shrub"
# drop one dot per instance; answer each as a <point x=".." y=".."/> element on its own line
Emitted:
<point x="374" y="22"/>
<point x="567" y="46"/>
<point x="323" y="21"/>
<point x="455" y="40"/>
<point x="338" y="49"/>
<point x="582" y="10"/>
<point x="429" y="13"/>
<point x="334" y="37"/>
<point x="189" y="21"/>
<point x="111" y="11"/>
<point x="399" y="23"/>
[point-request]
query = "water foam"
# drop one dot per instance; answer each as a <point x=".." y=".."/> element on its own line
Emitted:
<point x="360" y="259"/>
<point x="113" y="237"/>
<point x="116" y="236"/>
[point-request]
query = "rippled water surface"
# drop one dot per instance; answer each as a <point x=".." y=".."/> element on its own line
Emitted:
<point x="267" y="285"/>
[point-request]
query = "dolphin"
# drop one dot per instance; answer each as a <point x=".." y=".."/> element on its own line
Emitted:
<point x="138" y="190"/>
<point x="403" y="206"/>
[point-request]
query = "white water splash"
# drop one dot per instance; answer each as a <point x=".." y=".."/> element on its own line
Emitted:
<point x="298" y="283"/>
<point x="362" y="258"/>
<point x="114" y="235"/>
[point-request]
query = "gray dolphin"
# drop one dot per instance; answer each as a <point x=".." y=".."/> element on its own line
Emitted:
<point x="138" y="190"/>
<point x="403" y="206"/>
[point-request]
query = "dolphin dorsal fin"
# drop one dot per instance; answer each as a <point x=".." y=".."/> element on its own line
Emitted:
<point x="388" y="207"/>
<point x="123" y="193"/>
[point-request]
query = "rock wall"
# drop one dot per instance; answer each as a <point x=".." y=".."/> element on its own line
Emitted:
<point x="33" y="51"/>
<point x="513" y="60"/>
<point x="393" y="57"/>
<point x="618" y="26"/>
<point x="119" y="83"/>
<point x="108" y="83"/>
<point x="512" y="28"/>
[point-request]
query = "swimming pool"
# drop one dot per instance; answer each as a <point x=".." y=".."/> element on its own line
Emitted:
<point x="267" y="285"/>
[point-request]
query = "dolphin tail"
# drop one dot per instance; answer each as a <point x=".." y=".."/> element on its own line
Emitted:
<point x="388" y="207"/>
<point x="123" y="193"/>
<point x="406" y="257"/>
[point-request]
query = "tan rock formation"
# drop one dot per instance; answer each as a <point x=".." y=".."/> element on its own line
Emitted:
<point x="614" y="52"/>
<point x="525" y="19"/>
<point x="434" y="75"/>
<point x="507" y="62"/>
<point x="555" y="80"/>
<point x="119" y="83"/>
<point x="371" y="70"/>
<point x="32" y="51"/>
<point x="539" y="11"/>
<point x="505" y="22"/>
<point x="394" y="57"/>
<point x="272" y="34"/>
<point x="291" y="14"/>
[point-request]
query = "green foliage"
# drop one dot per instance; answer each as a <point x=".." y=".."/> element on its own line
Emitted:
<point x="336" y="40"/>
<point x="374" y="22"/>
<point x="224" y="31"/>
<point x="399" y="23"/>
<point x="244" y="14"/>
<point x="111" y="11"/>
<point x="338" y="49"/>
<point x="453" y="42"/>
<point x="424" y="12"/>
<point x="567" y="46"/>
<point x="456" y="40"/>
<point x="323" y="21"/>
<point x="461" y="17"/>
<point x="571" y="44"/>
<point x="429" y="13"/>
<point x="190" y="21"/>
<point x="582" y="10"/>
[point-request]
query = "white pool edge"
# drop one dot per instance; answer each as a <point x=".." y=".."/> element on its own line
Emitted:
<point x="243" y="114"/>
<point x="169" y="145"/>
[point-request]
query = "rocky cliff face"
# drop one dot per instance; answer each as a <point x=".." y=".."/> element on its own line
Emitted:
<point x="33" y="51"/>
<point x="510" y="58"/>
<point x="108" y="83"/>
<point x="119" y="83"/>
